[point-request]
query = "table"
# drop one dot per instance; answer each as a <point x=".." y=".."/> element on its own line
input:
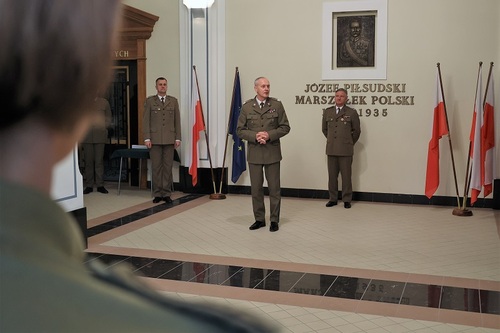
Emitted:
<point x="131" y="153"/>
<point x="140" y="153"/>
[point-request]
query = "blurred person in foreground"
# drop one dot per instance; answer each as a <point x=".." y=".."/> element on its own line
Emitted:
<point x="55" y="55"/>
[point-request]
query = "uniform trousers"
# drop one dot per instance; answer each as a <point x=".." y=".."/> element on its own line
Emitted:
<point x="93" y="155"/>
<point x="272" y="172"/>
<point x="162" y="160"/>
<point x="343" y="165"/>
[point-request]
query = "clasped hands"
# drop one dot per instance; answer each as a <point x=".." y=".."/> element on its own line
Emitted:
<point x="262" y="137"/>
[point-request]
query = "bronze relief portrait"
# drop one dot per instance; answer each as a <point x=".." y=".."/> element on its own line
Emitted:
<point x="356" y="41"/>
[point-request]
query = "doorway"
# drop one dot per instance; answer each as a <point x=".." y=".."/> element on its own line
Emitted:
<point x="123" y="133"/>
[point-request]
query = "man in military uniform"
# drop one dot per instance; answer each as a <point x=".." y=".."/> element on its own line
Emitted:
<point x="342" y="129"/>
<point x="162" y="134"/>
<point x="93" y="147"/>
<point x="262" y="122"/>
<point x="356" y="50"/>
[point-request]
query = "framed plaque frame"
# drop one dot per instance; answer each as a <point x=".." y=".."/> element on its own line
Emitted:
<point x="370" y="15"/>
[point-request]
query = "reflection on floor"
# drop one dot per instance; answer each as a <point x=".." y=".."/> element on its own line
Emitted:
<point x="396" y="292"/>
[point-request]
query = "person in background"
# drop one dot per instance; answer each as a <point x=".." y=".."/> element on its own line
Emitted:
<point x="262" y="122"/>
<point x="55" y="55"/>
<point x="341" y="127"/>
<point x="162" y="134"/>
<point x="92" y="147"/>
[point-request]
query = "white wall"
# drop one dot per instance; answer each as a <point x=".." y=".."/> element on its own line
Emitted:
<point x="67" y="183"/>
<point x="162" y="49"/>
<point x="282" y="39"/>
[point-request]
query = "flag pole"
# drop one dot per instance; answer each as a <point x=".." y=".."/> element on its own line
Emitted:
<point x="468" y="173"/>
<point x="449" y="138"/>
<point x="213" y="195"/>
<point x="228" y="127"/>
<point x="486" y="92"/>
<point x="487" y="84"/>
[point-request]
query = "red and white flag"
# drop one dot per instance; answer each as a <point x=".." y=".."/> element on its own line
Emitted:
<point x="488" y="139"/>
<point x="196" y="126"/>
<point x="439" y="129"/>
<point x="475" y="141"/>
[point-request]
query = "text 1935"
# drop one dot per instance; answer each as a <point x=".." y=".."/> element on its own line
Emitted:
<point x="372" y="112"/>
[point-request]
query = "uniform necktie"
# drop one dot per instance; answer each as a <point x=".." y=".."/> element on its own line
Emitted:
<point x="261" y="105"/>
<point x="163" y="100"/>
<point x="338" y="110"/>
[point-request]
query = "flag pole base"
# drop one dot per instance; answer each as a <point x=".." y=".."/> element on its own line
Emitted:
<point x="462" y="212"/>
<point x="217" y="196"/>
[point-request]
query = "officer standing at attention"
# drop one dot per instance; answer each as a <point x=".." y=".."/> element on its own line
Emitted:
<point x="262" y="123"/>
<point x="93" y="147"/>
<point x="162" y="134"/>
<point x="342" y="129"/>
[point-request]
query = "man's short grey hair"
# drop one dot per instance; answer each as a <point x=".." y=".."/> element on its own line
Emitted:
<point x="257" y="80"/>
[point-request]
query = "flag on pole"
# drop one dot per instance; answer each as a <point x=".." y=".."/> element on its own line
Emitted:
<point x="196" y="127"/>
<point x="439" y="128"/>
<point x="488" y="139"/>
<point x="475" y="140"/>
<point x="239" y="158"/>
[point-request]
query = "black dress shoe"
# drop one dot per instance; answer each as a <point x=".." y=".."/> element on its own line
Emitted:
<point x="156" y="199"/>
<point x="167" y="199"/>
<point x="257" y="225"/>
<point x="87" y="190"/>
<point x="101" y="189"/>
<point x="347" y="205"/>
<point x="331" y="203"/>
<point x="274" y="226"/>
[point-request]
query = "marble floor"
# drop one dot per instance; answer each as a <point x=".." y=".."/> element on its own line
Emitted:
<point x="376" y="267"/>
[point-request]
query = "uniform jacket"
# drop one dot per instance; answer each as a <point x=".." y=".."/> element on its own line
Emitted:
<point x="341" y="130"/>
<point x="161" y="122"/>
<point x="98" y="133"/>
<point x="272" y="119"/>
<point x="46" y="287"/>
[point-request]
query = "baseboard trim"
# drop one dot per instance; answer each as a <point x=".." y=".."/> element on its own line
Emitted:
<point x="412" y="199"/>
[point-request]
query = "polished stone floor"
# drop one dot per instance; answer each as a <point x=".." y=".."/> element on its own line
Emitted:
<point x="373" y="268"/>
<point x="348" y="287"/>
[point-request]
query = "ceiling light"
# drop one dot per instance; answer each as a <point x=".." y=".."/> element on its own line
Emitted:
<point x="198" y="3"/>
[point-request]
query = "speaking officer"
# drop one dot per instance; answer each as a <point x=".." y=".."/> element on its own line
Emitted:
<point x="162" y="134"/>
<point x="262" y="122"/>
<point x="342" y="129"/>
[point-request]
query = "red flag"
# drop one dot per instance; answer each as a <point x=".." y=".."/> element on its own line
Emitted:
<point x="439" y="128"/>
<point x="197" y="126"/>
<point x="475" y="141"/>
<point x="488" y="139"/>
